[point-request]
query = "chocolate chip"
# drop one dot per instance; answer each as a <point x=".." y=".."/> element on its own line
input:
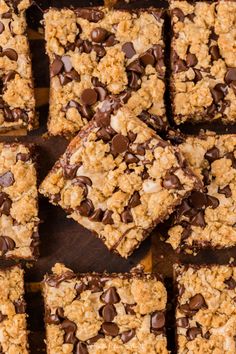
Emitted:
<point x="230" y="75"/>
<point x="159" y="68"/>
<point x="23" y="157"/>
<point x="70" y="338"/>
<point x="134" y="81"/>
<point x="212" y="201"/>
<point x="128" y="49"/>
<point x="233" y="86"/>
<point x="132" y="136"/>
<point x="178" y="13"/>
<point x="85" y="180"/>
<point x="193" y="332"/>
<point x="130" y="158"/>
<point x="87" y="46"/>
<point x="108" y="312"/>
<point x="147" y="59"/>
<point x="9" y="76"/>
<point x="55" y="280"/>
<point x="20" y="306"/>
<point x="212" y="154"/>
<point x="127" y="335"/>
<point x="198" y="200"/>
<point x="2" y="317"/>
<point x="94" y="339"/>
<point x="104" y="134"/>
<point x="56" y="67"/>
<point x="126" y="216"/>
<point x="214" y="52"/>
<point x="140" y="150"/>
<point x="231" y="283"/>
<point x="134" y="200"/>
<point x="101" y="92"/>
<point x="68" y="326"/>
<point x="67" y="63"/>
<point x="125" y="96"/>
<point x="6" y="206"/>
<point x="86" y="207"/>
<point x="99" y="50"/>
<point x="211" y="110"/>
<point x="199" y="220"/>
<point x="7" y="179"/>
<point x="2" y="27"/>
<point x="198" y="75"/>
<point x="157" y="320"/>
<point x="119" y="143"/>
<point x="86" y="112"/>
<point x="158" y="51"/>
<point x="179" y="66"/>
<point x="80" y="287"/>
<point x="10" y="53"/>
<point x="97" y="215"/>
<point x="89" y="96"/>
<point x="135" y="66"/>
<point x="110" y="41"/>
<point x="182" y="322"/>
<point x="92" y="15"/>
<point x="81" y="348"/>
<point x="186" y="310"/>
<point x="171" y="181"/>
<point x="69" y="171"/>
<point x="107" y="218"/>
<point x="110" y="296"/>
<point x="110" y="329"/>
<point x="129" y="309"/>
<point x="52" y="319"/>
<point x="197" y="302"/>
<point x="191" y="60"/>
<point x="226" y="191"/>
<point x="95" y="285"/>
<point x="218" y="92"/>
<point x="99" y="34"/>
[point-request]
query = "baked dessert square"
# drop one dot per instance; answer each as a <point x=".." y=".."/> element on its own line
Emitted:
<point x="18" y="202"/>
<point x="17" y="103"/>
<point x="118" y="178"/>
<point x="104" y="313"/>
<point x="97" y="52"/>
<point x="13" y="327"/>
<point x="208" y="218"/>
<point x="203" y="61"/>
<point x="205" y="309"/>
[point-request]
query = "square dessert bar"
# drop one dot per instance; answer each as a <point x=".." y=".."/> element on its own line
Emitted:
<point x="104" y="313"/>
<point x="208" y="218"/>
<point x="13" y="327"/>
<point x="203" y="61"/>
<point x="17" y="103"/>
<point x="119" y="179"/>
<point x="18" y="202"/>
<point x="95" y="52"/>
<point x="206" y="311"/>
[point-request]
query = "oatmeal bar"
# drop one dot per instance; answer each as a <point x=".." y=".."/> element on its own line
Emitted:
<point x="104" y="313"/>
<point x="13" y="332"/>
<point x="119" y="179"/>
<point x="203" y="61"/>
<point x="96" y="52"/>
<point x="17" y="103"/>
<point x="18" y="202"/>
<point x="206" y="311"/>
<point x="208" y="218"/>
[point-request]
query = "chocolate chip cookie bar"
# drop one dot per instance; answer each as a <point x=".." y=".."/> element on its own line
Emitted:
<point x="206" y="312"/>
<point x="17" y="103"/>
<point x="203" y="61"/>
<point x="18" y="202"/>
<point x="104" y="313"/>
<point x="208" y="218"/>
<point x="118" y="178"/>
<point x="13" y="338"/>
<point x="98" y="52"/>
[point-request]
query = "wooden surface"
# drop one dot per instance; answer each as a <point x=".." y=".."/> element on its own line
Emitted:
<point x="62" y="239"/>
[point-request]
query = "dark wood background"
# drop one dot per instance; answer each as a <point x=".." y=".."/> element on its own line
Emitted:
<point x="62" y="239"/>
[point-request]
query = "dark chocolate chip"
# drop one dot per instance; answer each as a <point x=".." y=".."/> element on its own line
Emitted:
<point x="80" y="287"/>
<point x="104" y="134"/>
<point x="212" y="201"/>
<point x="127" y="335"/>
<point x="147" y="59"/>
<point x="110" y="296"/>
<point x="108" y="312"/>
<point x="199" y="220"/>
<point x="129" y="309"/>
<point x="182" y="322"/>
<point x="52" y="319"/>
<point x="18" y="113"/>
<point x="231" y="283"/>
<point x="119" y="143"/>
<point x="158" y="51"/>
<point x="126" y="216"/>
<point x="86" y="207"/>
<point x="233" y="86"/>
<point x="107" y="218"/>
<point x="97" y="215"/>
<point x="10" y="53"/>
<point x="218" y="92"/>
<point x="72" y="76"/>
<point x="198" y="200"/>
<point x="102" y="93"/>
<point x="191" y="60"/>
<point x="87" y="46"/>
<point x="70" y="338"/>
<point x="134" y="81"/>
<point x="186" y="310"/>
<point x="193" y="332"/>
<point x="2" y="27"/>
<point x="198" y="75"/>
<point x="226" y="191"/>
<point x="159" y="68"/>
<point x="6" y="206"/>
<point x="64" y="80"/>
<point x="68" y="326"/>
<point x="132" y="136"/>
<point x="212" y="154"/>
<point x="178" y="13"/>
<point x="89" y="96"/>
<point x="213" y="35"/>
<point x="94" y="339"/>
<point x="9" y="76"/>
<point x="157" y="320"/>
<point x="215" y="52"/>
<point x="23" y="157"/>
<point x="128" y="49"/>
<point x="95" y="285"/>
<point x="85" y="180"/>
<point x="99" y="50"/>
<point x="134" y="200"/>
<point x="86" y="112"/>
<point x="140" y="150"/>
<point x="110" y="329"/>
<point x="130" y="158"/>
<point x="98" y="35"/>
<point x="211" y="110"/>
<point x="2" y="317"/>
<point x="135" y="66"/>
<point x="171" y="181"/>
<point x="7" y="179"/>
<point x="67" y="63"/>
<point x="55" y="281"/>
<point x="110" y="41"/>
<point x="230" y="75"/>
<point x="69" y="171"/>
<point x="179" y="66"/>
<point x="56" y="67"/>
<point x="197" y="302"/>
<point x="125" y="96"/>
<point x="81" y="348"/>
<point x="92" y="15"/>
<point x="20" y="306"/>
